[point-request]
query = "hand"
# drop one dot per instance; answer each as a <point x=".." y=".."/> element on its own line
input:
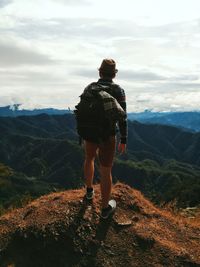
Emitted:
<point x="122" y="148"/>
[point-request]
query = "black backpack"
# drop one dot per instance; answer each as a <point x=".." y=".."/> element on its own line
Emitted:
<point x="93" y="122"/>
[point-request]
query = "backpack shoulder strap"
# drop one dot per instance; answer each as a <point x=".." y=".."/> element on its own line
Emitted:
<point x="89" y="91"/>
<point x="107" y="87"/>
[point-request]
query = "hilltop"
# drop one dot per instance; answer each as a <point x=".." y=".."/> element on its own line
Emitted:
<point x="62" y="229"/>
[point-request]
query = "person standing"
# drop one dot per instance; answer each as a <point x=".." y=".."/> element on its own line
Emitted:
<point x="106" y="149"/>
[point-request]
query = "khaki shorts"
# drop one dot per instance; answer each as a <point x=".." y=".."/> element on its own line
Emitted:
<point x="105" y="151"/>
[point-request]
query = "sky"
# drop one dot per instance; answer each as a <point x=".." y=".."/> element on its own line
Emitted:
<point x="50" y="50"/>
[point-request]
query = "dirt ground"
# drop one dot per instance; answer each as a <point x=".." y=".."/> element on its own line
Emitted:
<point x="63" y="229"/>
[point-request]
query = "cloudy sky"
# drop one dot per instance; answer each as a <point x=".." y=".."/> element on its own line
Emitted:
<point x="51" y="49"/>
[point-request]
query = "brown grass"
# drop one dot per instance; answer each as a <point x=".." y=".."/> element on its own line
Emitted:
<point x="139" y="233"/>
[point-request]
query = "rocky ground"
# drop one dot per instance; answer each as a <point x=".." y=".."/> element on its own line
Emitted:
<point x="62" y="229"/>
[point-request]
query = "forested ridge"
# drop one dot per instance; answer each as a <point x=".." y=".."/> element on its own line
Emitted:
<point x="40" y="154"/>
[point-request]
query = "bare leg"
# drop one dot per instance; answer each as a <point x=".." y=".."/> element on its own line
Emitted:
<point x="90" y="154"/>
<point x="89" y="171"/>
<point x="106" y="185"/>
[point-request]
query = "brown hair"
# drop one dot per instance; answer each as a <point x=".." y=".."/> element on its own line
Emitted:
<point x="108" y="75"/>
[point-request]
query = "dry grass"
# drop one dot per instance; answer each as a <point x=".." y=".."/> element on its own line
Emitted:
<point x="138" y="233"/>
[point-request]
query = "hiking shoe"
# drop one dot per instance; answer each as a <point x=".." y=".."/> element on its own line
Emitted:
<point x="89" y="193"/>
<point x="105" y="213"/>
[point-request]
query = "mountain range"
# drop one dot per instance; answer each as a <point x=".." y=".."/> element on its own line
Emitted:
<point x="188" y="120"/>
<point x="161" y="161"/>
<point x="14" y="111"/>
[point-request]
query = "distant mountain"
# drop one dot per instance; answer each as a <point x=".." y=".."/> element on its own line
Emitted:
<point x="14" y="111"/>
<point x="41" y="145"/>
<point x="160" y="142"/>
<point x="147" y="114"/>
<point x="161" y="161"/>
<point x="156" y="142"/>
<point x="187" y="120"/>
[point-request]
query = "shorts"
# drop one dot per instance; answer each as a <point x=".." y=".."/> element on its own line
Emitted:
<point x="105" y="151"/>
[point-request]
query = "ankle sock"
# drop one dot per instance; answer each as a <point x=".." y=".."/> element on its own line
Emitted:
<point x="89" y="189"/>
<point x="107" y="208"/>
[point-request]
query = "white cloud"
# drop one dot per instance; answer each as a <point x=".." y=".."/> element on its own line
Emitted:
<point x="52" y="49"/>
<point x="4" y="3"/>
<point x="12" y="55"/>
<point x="73" y="2"/>
<point x="164" y="101"/>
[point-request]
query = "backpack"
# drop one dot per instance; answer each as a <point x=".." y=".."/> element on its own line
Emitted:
<point x="97" y="113"/>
